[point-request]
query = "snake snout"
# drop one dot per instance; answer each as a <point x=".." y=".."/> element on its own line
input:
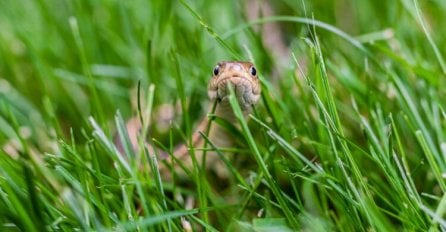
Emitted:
<point x="243" y="91"/>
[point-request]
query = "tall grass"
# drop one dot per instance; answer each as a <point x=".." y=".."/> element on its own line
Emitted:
<point x="349" y="134"/>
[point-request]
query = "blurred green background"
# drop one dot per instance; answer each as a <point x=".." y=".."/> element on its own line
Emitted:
<point x="110" y="45"/>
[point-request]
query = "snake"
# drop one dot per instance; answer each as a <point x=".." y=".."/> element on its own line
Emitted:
<point x="244" y="79"/>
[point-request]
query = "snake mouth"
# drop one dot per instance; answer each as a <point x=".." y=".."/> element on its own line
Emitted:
<point x="244" y="90"/>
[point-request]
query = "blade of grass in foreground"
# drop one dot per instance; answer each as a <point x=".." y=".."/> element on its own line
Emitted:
<point x="86" y="67"/>
<point x="291" y="217"/>
<point x="351" y="173"/>
<point x="210" y="30"/>
<point x="199" y="176"/>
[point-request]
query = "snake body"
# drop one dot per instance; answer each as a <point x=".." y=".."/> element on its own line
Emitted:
<point x="244" y="79"/>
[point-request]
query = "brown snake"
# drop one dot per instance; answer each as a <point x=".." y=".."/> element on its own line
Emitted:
<point x="244" y="79"/>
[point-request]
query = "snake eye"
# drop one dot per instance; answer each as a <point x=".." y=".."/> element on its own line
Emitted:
<point x="253" y="71"/>
<point x="216" y="70"/>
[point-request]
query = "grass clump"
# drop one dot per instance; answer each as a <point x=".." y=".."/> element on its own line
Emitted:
<point x="349" y="134"/>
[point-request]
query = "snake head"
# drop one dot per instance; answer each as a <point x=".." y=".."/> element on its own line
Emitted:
<point x="244" y="79"/>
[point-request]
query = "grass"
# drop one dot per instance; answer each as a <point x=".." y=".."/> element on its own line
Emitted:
<point x="349" y="134"/>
